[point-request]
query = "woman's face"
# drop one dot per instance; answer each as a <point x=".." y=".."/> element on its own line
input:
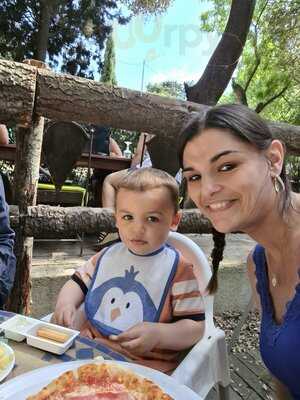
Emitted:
<point x="229" y="180"/>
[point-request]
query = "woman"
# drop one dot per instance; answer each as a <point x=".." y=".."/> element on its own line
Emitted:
<point x="236" y="176"/>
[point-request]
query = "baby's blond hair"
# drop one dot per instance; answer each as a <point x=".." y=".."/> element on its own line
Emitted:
<point x="142" y="179"/>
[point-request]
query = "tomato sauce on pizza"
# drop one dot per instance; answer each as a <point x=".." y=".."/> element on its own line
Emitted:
<point x="105" y="381"/>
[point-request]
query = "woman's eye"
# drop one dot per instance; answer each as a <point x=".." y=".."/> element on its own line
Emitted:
<point x="127" y="217"/>
<point x="152" y="219"/>
<point x="227" y="167"/>
<point x="193" y="178"/>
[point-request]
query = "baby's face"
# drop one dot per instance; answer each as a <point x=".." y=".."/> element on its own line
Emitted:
<point x="144" y="219"/>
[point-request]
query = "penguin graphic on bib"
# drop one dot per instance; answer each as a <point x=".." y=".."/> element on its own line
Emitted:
<point x="121" y="297"/>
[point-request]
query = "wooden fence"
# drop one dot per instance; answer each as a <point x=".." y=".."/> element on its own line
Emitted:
<point x="29" y="92"/>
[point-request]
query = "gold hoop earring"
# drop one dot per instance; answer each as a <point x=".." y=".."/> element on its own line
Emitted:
<point x="278" y="184"/>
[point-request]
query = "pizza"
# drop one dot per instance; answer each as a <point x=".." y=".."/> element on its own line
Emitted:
<point x="105" y="381"/>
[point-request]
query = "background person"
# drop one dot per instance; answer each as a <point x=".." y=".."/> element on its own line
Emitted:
<point x="140" y="159"/>
<point x="141" y="297"/>
<point x="7" y="257"/>
<point x="4" y="138"/>
<point x="103" y="143"/>
<point x="236" y="176"/>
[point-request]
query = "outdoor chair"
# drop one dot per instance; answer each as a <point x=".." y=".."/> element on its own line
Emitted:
<point x="206" y="365"/>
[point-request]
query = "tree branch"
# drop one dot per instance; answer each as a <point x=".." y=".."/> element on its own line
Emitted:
<point x="239" y="92"/>
<point x="224" y="60"/>
<point x="257" y="58"/>
<point x="261" y="106"/>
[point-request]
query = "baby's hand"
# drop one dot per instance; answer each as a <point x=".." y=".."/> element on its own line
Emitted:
<point x="64" y="315"/>
<point x="139" y="339"/>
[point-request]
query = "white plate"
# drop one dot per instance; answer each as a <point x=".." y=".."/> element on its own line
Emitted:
<point x="31" y="382"/>
<point x="9" y="351"/>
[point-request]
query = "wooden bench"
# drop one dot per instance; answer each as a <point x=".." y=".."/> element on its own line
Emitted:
<point x="66" y="197"/>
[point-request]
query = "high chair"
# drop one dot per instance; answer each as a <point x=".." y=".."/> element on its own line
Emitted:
<point x="206" y="365"/>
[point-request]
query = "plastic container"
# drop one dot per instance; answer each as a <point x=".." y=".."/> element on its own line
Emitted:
<point x="48" y="344"/>
<point x="16" y="327"/>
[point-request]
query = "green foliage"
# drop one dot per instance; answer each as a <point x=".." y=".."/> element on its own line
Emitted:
<point x="269" y="70"/>
<point x="168" y="88"/>
<point x="71" y="39"/>
<point x="147" y="6"/>
<point x="108" y="74"/>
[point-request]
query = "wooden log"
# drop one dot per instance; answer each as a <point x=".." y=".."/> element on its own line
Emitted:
<point x="70" y="98"/>
<point x="50" y="221"/>
<point x="66" y="97"/>
<point x="26" y="174"/>
<point x="17" y="93"/>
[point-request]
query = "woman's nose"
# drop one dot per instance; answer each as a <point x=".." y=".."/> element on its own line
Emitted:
<point x="209" y="187"/>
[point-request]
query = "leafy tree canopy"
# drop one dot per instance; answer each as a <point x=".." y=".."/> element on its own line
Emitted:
<point x="68" y="34"/>
<point x="168" y="89"/>
<point x="108" y="73"/>
<point x="268" y="74"/>
<point x="148" y="6"/>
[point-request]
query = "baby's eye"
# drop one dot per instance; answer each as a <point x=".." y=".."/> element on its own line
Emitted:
<point x="152" y="219"/>
<point x="127" y="217"/>
<point x="227" y="167"/>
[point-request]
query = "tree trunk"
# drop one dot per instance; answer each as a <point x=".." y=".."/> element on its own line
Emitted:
<point x="224" y="60"/>
<point x="17" y="93"/>
<point x="47" y="221"/>
<point x="70" y="98"/>
<point x="43" y="30"/>
<point x="26" y="174"/>
<point x="29" y="144"/>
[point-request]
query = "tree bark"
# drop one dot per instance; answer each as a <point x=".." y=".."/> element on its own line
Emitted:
<point x="47" y="221"/>
<point x="17" y="93"/>
<point x="26" y="174"/>
<point x="43" y="30"/>
<point x="69" y="98"/>
<point x="224" y="60"/>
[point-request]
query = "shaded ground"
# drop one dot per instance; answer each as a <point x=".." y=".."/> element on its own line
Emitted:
<point x="250" y="379"/>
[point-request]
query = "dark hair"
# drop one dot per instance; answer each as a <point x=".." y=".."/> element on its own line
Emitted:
<point x="247" y="126"/>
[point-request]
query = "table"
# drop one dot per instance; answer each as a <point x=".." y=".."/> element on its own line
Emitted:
<point x="31" y="360"/>
<point x="99" y="163"/>
<point x="102" y="165"/>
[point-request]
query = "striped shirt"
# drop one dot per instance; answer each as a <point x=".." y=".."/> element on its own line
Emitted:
<point x="182" y="301"/>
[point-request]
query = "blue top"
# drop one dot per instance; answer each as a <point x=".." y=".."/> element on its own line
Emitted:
<point x="7" y="257"/>
<point x="279" y="343"/>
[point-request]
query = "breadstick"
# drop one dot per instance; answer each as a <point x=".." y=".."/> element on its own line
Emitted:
<point x="52" y="335"/>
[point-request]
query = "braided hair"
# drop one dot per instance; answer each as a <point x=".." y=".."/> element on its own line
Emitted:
<point x="216" y="258"/>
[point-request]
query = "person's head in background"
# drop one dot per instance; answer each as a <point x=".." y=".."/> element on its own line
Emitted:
<point x="235" y="172"/>
<point x="4" y="137"/>
<point x="146" y="209"/>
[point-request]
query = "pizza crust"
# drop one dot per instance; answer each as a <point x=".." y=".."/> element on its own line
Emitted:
<point x="94" y="379"/>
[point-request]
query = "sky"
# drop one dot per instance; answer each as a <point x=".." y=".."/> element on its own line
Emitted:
<point x="167" y="47"/>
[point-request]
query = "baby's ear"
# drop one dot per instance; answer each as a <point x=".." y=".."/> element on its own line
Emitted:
<point x="176" y="220"/>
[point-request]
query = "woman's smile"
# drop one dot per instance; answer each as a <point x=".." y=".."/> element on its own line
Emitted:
<point x="220" y="205"/>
